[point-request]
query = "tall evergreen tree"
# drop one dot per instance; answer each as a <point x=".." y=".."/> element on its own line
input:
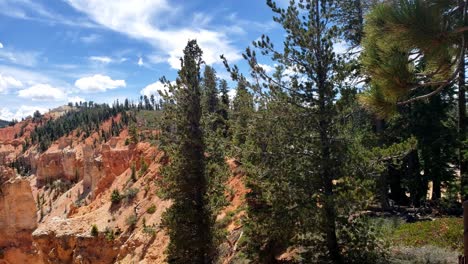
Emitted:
<point x="224" y="107"/>
<point x="242" y="109"/>
<point x="189" y="219"/>
<point x="210" y="91"/>
<point x="294" y="146"/>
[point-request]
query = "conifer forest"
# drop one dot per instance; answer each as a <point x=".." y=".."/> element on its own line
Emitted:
<point x="350" y="144"/>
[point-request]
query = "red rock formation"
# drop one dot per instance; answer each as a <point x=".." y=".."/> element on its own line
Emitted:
<point x="17" y="221"/>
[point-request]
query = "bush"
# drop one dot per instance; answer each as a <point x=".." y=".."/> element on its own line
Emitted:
<point x="115" y="196"/>
<point x="94" y="231"/>
<point x="130" y="194"/>
<point x="109" y="234"/>
<point x="132" y="220"/>
<point x="143" y="166"/>
<point x="149" y="230"/>
<point x="133" y="175"/>
<point x="151" y="209"/>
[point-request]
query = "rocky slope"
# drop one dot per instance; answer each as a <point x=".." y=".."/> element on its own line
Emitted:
<point x="47" y="217"/>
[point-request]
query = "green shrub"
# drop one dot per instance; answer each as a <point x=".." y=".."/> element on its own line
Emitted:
<point x="143" y="166"/>
<point x="109" y="234"/>
<point x="130" y="194"/>
<point x="115" y="196"/>
<point x="151" y="209"/>
<point x="133" y="175"/>
<point x="94" y="231"/>
<point x="149" y="230"/>
<point x="132" y="220"/>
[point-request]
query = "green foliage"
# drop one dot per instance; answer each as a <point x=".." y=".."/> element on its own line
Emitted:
<point x="189" y="220"/>
<point x="131" y="221"/>
<point x="149" y="230"/>
<point x="151" y="209"/>
<point x="442" y="232"/>
<point x="130" y="194"/>
<point x="395" y="34"/>
<point x="133" y="175"/>
<point x="133" y="132"/>
<point x="115" y="196"/>
<point x="210" y="91"/>
<point x="87" y="118"/>
<point x="94" y="230"/>
<point x="109" y="234"/>
<point x="241" y="114"/>
<point x="308" y="160"/>
<point x="143" y="166"/>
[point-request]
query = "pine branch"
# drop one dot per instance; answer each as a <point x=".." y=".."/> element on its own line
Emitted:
<point x="444" y="84"/>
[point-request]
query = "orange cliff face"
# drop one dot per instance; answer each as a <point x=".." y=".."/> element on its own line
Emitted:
<point x="47" y="217"/>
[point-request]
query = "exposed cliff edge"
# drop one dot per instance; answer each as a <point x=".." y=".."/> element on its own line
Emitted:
<point x="48" y="215"/>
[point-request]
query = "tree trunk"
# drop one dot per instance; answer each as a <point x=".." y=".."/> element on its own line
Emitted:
<point x="436" y="175"/>
<point x="396" y="192"/>
<point x="419" y="190"/>
<point x="463" y="165"/>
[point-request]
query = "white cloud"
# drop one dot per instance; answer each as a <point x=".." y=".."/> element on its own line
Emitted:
<point x="154" y="88"/>
<point x="24" y="58"/>
<point x="137" y="19"/>
<point x="89" y="39"/>
<point x="98" y="83"/>
<point x="8" y="82"/>
<point x="28" y="77"/>
<point x="106" y="60"/>
<point x="21" y="112"/>
<point x="76" y="99"/>
<point x="267" y="68"/>
<point x="232" y="94"/>
<point x="32" y="10"/>
<point x="340" y="47"/>
<point x="1" y="45"/>
<point x="42" y="92"/>
<point x="140" y="62"/>
<point x="101" y="59"/>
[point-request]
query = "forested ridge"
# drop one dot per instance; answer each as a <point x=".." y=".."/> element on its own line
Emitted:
<point x="333" y="147"/>
<point x="328" y="136"/>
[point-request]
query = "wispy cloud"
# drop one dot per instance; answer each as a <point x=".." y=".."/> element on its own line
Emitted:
<point x="89" y="39"/>
<point x="8" y="82"/>
<point x="101" y="59"/>
<point x="145" y="20"/>
<point x="31" y="10"/>
<point x="23" y="58"/>
<point x="106" y="59"/>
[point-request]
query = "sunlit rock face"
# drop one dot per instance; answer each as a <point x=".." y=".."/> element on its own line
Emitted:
<point x="18" y="220"/>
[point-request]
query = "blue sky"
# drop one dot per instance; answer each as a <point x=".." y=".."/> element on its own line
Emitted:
<point x="56" y="51"/>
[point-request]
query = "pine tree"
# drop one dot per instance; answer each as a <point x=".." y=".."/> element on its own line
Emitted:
<point x="189" y="220"/>
<point x="293" y="145"/>
<point x="399" y="37"/>
<point x="224" y="107"/>
<point x="210" y="91"/>
<point x="242" y="109"/>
